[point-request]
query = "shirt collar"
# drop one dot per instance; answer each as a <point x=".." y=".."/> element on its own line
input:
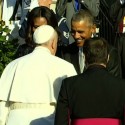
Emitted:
<point x="41" y="48"/>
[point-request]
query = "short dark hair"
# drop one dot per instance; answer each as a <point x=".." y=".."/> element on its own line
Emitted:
<point x="96" y="50"/>
<point x="83" y="15"/>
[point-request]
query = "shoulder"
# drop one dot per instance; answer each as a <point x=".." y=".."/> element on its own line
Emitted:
<point x="119" y="83"/>
<point x="72" y="48"/>
<point x="24" y="46"/>
<point x="69" y="49"/>
<point x="72" y="82"/>
<point x="23" y="49"/>
<point x="64" y="65"/>
<point x="74" y="79"/>
<point x="113" y="52"/>
<point x="17" y="61"/>
<point x="10" y="68"/>
<point x="111" y="48"/>
<point x="62" y="62"/>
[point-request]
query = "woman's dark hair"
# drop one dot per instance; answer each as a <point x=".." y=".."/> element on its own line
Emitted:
<point x="44" y="12"/>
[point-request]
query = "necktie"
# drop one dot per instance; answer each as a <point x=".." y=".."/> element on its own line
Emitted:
<point x="81" y="60"/>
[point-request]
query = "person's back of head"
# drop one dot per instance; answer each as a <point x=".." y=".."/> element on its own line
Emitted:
<point x="46" y="36"/>
<point x="96" y="51"/>
<point x="83" y="15"/>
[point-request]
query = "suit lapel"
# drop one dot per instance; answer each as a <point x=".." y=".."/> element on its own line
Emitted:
<point x="74" y="57"/>
<point x="75" y="62"/>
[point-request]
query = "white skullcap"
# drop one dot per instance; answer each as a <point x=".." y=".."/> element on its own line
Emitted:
<point x="43" y="34"/>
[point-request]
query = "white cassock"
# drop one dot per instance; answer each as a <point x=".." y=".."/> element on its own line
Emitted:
<point x="34" y="78"/>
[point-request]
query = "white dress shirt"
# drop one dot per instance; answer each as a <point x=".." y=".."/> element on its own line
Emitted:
<point x="81" y="59"/>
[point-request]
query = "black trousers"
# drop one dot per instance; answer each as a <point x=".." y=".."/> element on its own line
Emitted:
<point x="120" y="45"/>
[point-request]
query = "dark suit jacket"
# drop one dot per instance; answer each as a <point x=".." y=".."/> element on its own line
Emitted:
<point x="70" y="53"/>
<point x="117" y="12"/>
<point x="94" y="94"/>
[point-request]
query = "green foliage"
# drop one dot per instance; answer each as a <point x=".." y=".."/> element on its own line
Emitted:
<point x="7" y="47"/>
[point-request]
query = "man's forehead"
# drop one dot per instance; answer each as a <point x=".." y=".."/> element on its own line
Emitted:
<point x="80" y="24"/>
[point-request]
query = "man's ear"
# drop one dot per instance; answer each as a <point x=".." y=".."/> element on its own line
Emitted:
<point x="93" y="29"/>
<point x="52" y="44"/>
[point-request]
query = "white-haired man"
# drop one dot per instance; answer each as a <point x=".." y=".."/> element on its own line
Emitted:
<point x="30" y="84"/>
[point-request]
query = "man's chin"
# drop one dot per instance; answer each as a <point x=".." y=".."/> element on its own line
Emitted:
<point x="79" y="43"/>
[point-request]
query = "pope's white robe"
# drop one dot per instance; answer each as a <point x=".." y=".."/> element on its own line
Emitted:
<point x="34" y="78"/>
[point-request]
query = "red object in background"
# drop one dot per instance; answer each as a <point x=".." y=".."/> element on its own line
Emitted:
<point x="121" y="27"/>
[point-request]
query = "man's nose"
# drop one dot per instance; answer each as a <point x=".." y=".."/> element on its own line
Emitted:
<point x="76" y="35"/>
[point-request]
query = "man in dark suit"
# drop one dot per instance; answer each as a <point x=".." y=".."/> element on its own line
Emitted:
<point x="83" y="27"/>
<point x="93" y="94"/>
<point x="67" y="8"/>
<point x="117" y="12"/>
